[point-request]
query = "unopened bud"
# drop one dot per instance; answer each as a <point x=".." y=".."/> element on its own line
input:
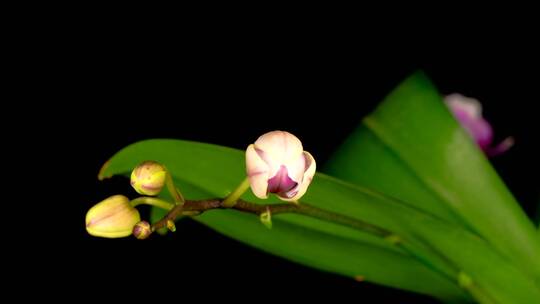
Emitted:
<point x="148" y="178"/>
<point x="113" y="217"/>
<point x="171" y="226"/>
<point x="142" y="230"/>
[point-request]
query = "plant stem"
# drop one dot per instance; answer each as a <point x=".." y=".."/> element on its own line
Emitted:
<point x="177" y="196"/>
<point x="147" y="200"/>
<point x="231" y="200"/>
<point x="304" y="209"/>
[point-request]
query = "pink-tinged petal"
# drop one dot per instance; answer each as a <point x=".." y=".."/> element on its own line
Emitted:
<point x="296" y="167"/>
<point x="257" y="171"/>
<point x="468" y="112"/>
<point x="481" y="131"/>
<point x="278" y="148"/>
<point x="272" y="164"/>
<point x="281" y="183"/>
<point x="478" y="128"/>
<point x="296" y="193"/>
<point x="463" y="105"/>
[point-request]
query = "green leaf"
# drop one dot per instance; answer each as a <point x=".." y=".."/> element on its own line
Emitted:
<point x="364" y="160"/>
<point x="312" y="242"/>
<point x="290" y="238"/>
<point x="411" y="147"/>
<point x="466" y="251"/>
<point x="217" y="170"/>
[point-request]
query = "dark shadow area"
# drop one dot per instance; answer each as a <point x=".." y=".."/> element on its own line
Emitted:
<point x="114" y="92"/>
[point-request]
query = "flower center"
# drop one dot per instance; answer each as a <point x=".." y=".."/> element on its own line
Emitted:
<point x="281" y="183"/>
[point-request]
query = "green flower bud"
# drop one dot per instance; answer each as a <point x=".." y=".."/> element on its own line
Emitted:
<point x="266" y="219"/>
<point x="142" y="230"/>
<point x="148" y="178"/>
<point x="171" y="226"/>
<point x="113" y="217"/>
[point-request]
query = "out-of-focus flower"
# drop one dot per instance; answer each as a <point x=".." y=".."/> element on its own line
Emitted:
<point x="113" y="217"/>
<point x="277" y="163"/>
<point x="142" y="230"/>
<point x="148" y="178"/>
<point x="468" y="112"/>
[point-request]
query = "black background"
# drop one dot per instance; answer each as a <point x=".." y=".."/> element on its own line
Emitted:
<point x="112" y="90"/>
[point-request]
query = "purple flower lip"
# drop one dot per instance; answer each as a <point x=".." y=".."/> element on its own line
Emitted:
<point x="281" y="183"/>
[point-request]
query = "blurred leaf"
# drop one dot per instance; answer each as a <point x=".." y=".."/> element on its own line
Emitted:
<point x="217" y="170"/>
<point x="364" y="160"/>
<point x="411" y="147"/>
<point x="538" y="213"/>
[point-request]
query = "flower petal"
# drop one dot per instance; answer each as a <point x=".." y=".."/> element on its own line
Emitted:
<point x="468" y="112"/>
<point x="257" y="171"/>
<point x="461" y="104"/>
<point x="278" y="148"/>
<point x="481" y="131"/>
<point x="296" y="167"/>
<point x="296" y="193"/>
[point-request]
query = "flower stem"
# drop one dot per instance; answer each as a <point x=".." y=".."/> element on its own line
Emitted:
<point x="147" y="200"/>
<point x="304" y="209"/>
<point x="232" y="199"/>
<point x="175" y="193"/>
